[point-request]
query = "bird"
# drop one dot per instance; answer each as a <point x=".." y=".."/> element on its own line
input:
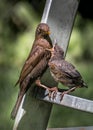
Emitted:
<point x="35" y="64"/>
<point x="64" y="72"/>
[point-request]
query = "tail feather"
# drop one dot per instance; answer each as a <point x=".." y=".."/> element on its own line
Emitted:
<point x="84" y="84"/>
<point x="17" y="105"/>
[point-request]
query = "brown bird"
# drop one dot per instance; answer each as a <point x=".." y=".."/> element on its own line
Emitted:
<point x="35" y="64"/>
<point x="63" y="71"/>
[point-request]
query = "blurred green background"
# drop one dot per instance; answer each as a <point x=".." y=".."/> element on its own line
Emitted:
<point x="18" y="20"/>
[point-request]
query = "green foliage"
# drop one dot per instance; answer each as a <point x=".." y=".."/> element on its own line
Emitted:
<point x="14" y="48"/>
<point x="17" y="26"/>
<point x="81" y="40"/>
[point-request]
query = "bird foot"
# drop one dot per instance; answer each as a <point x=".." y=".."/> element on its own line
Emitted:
<point x="62" y="94"/>
<point x="51" y="91"/>
<point x="66" y="92"/>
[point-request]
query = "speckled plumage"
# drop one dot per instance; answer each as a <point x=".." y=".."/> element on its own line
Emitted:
<point x="63" y="71"/>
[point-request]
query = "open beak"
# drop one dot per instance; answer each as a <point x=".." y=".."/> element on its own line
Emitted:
<point x="51" y="50"/>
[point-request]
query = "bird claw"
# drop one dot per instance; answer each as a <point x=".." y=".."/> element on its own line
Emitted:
<point x="52" y="92"/>
<point x="62" y="95"/>
<point x="66" y="92"/>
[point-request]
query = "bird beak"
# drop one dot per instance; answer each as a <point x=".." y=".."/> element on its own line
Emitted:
<point x="51" y="50"/>
<point x="48" y="49"/>
<point x="48" y="32"/>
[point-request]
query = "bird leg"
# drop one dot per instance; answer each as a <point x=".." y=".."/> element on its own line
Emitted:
<point x="38" y="83"/>
<point x="68" y="91"/>
<point x="52" y="91"/>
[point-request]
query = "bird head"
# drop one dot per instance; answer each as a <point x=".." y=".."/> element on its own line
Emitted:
<point x="42" y="30"/>
<point x="56" y="52"/>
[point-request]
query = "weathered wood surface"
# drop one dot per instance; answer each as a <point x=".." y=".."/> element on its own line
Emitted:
<point x="61" y="19"/>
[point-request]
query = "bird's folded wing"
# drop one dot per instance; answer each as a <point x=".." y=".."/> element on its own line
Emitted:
<point x="31" y="62"/>
<point x="69" y="70"/>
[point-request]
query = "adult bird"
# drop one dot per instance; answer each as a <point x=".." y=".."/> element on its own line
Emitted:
<point x="36" y="63"/>
<point x="63" y="71"/>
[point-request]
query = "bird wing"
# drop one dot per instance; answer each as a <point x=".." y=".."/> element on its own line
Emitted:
<point x="32" y="60"/>
<point x="68" y="69"/>
<point x="39" y="68"/>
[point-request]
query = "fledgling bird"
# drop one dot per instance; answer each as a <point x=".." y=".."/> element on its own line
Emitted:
<point x="63" y="71"/>
<point x="35" y="64"/>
